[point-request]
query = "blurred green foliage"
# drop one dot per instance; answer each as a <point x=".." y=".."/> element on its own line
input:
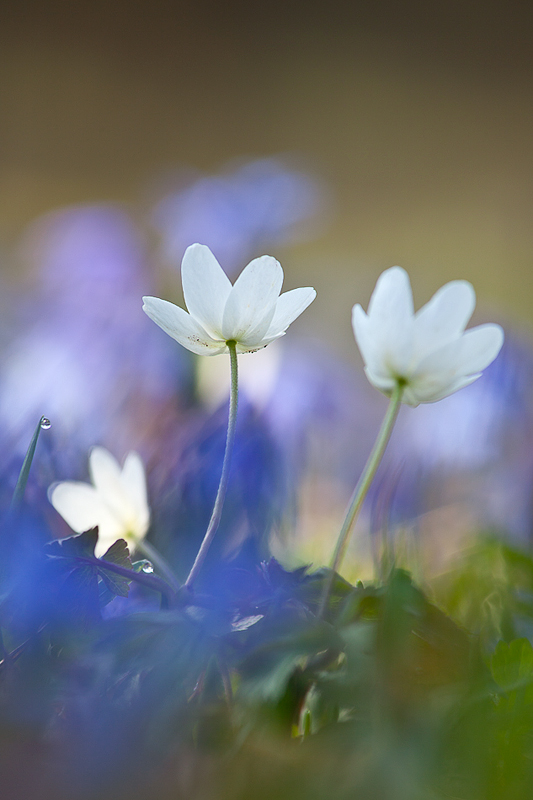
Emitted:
<point x="398" y="693"/>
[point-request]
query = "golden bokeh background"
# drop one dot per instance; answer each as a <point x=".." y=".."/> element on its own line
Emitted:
<point x="417" y="115"/>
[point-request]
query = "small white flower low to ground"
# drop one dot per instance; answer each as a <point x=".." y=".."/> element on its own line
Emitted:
<point x="251" y="313"/>
<point x="116" y="500"/>
<point x="429" y="352"/>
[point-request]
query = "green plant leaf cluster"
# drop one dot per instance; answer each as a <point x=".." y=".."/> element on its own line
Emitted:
<point x="244" y="690"/>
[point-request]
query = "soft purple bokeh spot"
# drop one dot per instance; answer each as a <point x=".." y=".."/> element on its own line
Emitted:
<point x="473" y="448"/>
<point x="84" y="352"/>
<point x="242" y="209"/>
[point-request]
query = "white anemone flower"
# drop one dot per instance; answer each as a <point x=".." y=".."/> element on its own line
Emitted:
<point x="428" y="352"/>
<point x="252" y="313"/>
<point x="116" y="500"/>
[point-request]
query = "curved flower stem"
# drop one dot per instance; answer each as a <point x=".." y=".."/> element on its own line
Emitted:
<point x="150" y="581"/>
<point x="223" y="485"/>
<point x="362" y="487"/>
<point x="158" y="561"/>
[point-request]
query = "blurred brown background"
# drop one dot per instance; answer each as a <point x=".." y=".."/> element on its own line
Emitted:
<point x="417" y="114"/>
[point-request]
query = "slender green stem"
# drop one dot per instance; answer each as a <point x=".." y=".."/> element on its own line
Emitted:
<point x="226" y="680"/>
<point x="158" y="561"/>
<point x="223" y="485"/>
<point x="20" y="488"/>
<point x="149" y="581"/>
<point x="361" y="489"/>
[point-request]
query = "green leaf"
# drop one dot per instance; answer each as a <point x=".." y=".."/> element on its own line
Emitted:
<point x="512" y="664"/>
<point x="82" y="545"/>
<point x="20" y="488"/>
<point x="266" y="670"/>
<point x="118" y="554"/>
<point x="312" y="590"/>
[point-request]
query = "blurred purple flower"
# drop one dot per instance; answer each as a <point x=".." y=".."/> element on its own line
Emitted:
<point x="84" y="354"/>
<point x="314" y="404"/>
<point x="474" y="448"/>
<point x="240" y="211"/>
<point x="321" y="409"/>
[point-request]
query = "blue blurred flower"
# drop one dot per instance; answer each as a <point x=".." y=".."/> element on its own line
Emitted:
<point x="241" y="210"/>
<point x="473" y="450"/>
<point x="84" y="354"/>
<point x="255" y="500"/>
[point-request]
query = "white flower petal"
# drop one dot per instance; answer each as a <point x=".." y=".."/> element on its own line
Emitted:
<point x="219" y="312"/>
<point x="182" y="327"/>
<point x="385" y="383"/>
<point x="391" y="304"/>
<point x="106" y="476"/>
<point x="254" y="336"/>
<point x="133" y="481"/>
<point x="409" y="396"/>
<point x="451" y="388"/>
<point x="389" y="329"/>
<point x="445" y="317"/>
<point x="289" y="306"/>
<point x="82" y="508"/>
<point x="480" y="346"/>
<point x="206" y="288"/>
<point x="116" y="502"/>
<point x="368" y="344"/>
<point x="252" y="298"/>
<point x="383" y="355"/>
<point x="433" y="387"/>
<point x="104" y="468"/>
<point x="253" y="348"/>
<point x="429" y="351"/>
<point x="470" y="354"/>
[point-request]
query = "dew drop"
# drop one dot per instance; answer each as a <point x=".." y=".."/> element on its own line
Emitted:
<point x="147" y="567"/>
<point x="45" y="423"/>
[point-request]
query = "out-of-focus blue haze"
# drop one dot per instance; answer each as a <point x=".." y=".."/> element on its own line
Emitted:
<point x="239" y="211"/>
<point x="82" y="352"/>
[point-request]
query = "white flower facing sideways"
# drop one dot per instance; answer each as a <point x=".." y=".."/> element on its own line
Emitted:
<point x="429" y="352"/>
<point x="252" y="313"/>
<point x="116" y="500"/>
<point x="413" y="358"/>
<point x="226" y="318"/>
